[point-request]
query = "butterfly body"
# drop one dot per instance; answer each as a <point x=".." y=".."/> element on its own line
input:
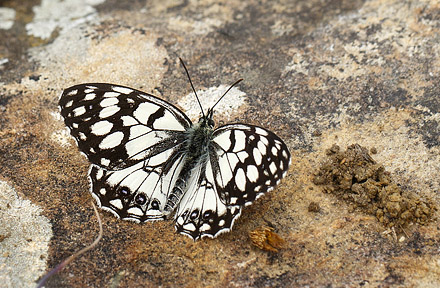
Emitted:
<point x="148" y="160"/>
<point x="198" y="138"/>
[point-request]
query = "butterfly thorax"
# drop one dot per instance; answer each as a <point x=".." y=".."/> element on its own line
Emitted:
<point x="198" y="139"/>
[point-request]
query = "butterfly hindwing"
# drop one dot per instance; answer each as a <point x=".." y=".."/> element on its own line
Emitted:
<point x="139" y="192"/>
<point x="247" y="161"/>
<point x="117" y="126"/>
<point x="201" y="213"/>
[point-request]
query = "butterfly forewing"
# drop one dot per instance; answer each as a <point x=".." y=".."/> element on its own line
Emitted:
<point x="117" y="126"/>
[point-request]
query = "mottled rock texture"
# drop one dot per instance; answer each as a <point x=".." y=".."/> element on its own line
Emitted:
<point x="316" y="73"/>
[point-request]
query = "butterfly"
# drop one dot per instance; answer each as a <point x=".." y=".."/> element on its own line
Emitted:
<point x="149" y="161"/>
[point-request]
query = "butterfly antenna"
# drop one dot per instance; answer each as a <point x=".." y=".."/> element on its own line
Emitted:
<point x="235" y="83"/>
<point x="192" y="86"/>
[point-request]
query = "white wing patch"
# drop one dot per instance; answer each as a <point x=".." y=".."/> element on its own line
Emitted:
<point x="123" y="90"/>
<point x="111" y="140"/>
<point x="106" y="102"/>
<point x="128" y="121"/>
<point x="79" y="111"/>
<point x="111" y="94"/>
<point x="168" y="122"/>
<point x="108" y="111"/>
<point x="223" y="140"/>
<point x="144" y="111"/>
<point x="139" y="130"/>
<point x="240" y="141"/>
<point x="101" y="128"/>
<point x="90" y="96"/>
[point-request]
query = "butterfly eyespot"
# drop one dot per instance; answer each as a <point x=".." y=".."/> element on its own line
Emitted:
<point x="208" y="214"/>
<point x="194" y="214"/>
<point x="155" y="205"/>
<point x="124" y="192"/>
<point x="184" y="214"/>
<point x="140" y="199"/>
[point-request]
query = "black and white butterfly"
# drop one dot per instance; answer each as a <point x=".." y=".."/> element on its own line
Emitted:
<point x="148" y="158"/>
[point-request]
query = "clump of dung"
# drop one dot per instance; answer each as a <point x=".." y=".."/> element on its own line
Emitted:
<point x="355" y="177"/>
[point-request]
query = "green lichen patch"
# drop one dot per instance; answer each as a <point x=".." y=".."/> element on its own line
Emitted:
<point x="354" y="176"/>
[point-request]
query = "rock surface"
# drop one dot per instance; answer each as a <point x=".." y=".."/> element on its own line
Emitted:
<point x="316" y="73"/>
